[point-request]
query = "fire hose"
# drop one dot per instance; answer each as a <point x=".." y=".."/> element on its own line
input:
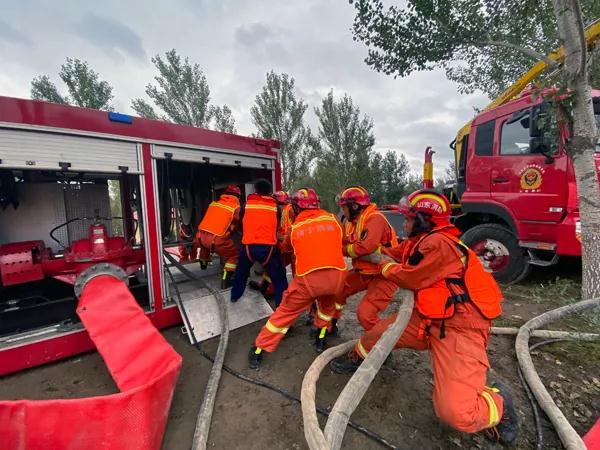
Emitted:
<point x="206" y="417"/>
<point x="142" y="363"/>
<point x="566" y="433"/>
<point x="356" y="387"/>
<point x="208" y="403"/>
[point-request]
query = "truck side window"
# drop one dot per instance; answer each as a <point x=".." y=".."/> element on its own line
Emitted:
<point x="484" y="138"/>
<point x="514" y="139"/>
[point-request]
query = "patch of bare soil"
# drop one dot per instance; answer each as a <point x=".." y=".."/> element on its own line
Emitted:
<point x="397" y="405"/>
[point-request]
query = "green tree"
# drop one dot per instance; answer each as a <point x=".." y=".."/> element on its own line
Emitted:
<point x="182" y="95"/>
<point x="448" y="178"/>
<point x="480" y="44"/>
<point x="83" y="84"/>
<point x="344" y="147"/>
<point x="278" y="114"/>
<point x="223" y="119"/>
<point x="425" y="34"/>
<point x="395" y="171"/>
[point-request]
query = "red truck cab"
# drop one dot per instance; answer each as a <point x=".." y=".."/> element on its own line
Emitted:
<point x="517" y="188"/>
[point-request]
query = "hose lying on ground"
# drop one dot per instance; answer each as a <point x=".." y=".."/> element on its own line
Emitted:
<point x="370" y="434"/>
<point x="356" y="386"/>
<point x="549" y="334"/>
<point x="566" y="433"/>
<point x="208" y="403"/>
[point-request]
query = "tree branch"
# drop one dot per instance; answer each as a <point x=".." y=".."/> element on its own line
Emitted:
<point x="526" y="51"/>
<point x="581" y="33"/>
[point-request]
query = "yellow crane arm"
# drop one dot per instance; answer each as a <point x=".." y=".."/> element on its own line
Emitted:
<point x="591" y="34"/>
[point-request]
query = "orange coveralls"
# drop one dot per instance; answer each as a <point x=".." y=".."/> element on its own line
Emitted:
<point x="379" y="290"/>
<point x="323" y="284"/>
<point x="184" y="254"/>
<point x="459" y="360"/>
<point x="221" y="245"/>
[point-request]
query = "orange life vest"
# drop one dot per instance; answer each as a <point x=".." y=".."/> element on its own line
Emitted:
<point x="219" y="215"/>
<point x="475" y="285"/>
<point x="317" y="242"/>
<point x="260" y="220"/>
<point x="354" y="232"/>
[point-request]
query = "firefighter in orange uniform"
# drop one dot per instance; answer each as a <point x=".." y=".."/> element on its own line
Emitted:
<point x="214" y="232"/>
<point x="186" y="233"/>
<point x="285" y="222"/>
<point x="366" y="231"/>
<point x="455" y="301"/>
<point x="260" y="217"/>
<point x="316" y="240"/>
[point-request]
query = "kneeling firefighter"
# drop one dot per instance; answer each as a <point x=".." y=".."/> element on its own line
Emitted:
<point x="316" y="239"/>
<point x="455" y="301"/>
<point x="214" y="232"/>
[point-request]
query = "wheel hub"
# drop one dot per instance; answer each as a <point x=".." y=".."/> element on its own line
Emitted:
<point x="493" y="254"/>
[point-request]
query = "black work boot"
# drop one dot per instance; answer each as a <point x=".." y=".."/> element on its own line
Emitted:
<point x="203" y="265"/>
<point x="321" y="341"/>
<point x="508" y="427"/>
<point x="346" y="364"/>
<point x="227" y="280"/>
<point x="334" y="328"/>
<point x="254" y="357"/>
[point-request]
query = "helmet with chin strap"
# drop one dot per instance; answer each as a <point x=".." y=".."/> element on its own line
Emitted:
<point x="430" y="204"/>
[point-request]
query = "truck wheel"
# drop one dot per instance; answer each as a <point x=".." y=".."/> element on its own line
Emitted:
<point x="498" y="249"/>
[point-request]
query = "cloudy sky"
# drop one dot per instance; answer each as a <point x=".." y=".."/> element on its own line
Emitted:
<point x="235" y="42"/>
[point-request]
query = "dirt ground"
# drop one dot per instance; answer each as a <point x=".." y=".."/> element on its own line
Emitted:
<point x="397" y="405"/>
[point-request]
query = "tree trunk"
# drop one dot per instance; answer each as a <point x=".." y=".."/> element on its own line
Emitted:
<point x="582" y="146"/>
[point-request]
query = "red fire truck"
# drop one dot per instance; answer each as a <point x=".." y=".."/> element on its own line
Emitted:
<point x="80" y="187"/>
<point x="517" y="190"/>
<point x="515" y="197"/>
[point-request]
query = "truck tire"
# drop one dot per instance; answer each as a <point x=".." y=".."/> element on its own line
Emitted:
<point x="498" y="249"/>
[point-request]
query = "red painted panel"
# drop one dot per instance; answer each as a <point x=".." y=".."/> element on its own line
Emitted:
<point x="34" y="112"/>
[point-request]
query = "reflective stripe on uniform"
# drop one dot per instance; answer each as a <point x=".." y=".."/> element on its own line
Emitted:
<point x="268" y="208"/>
<point x="230" y="266"/>
<point x="386" y="268"/>
<point x="273" y="329"/>
<point x="350" y="251"/>
<point x="494" y="415"/>
<point x="221" y="205"/>
<point x="323" y="316"/>
<point x="361" y="350"/>
<point x="339" y="306"/>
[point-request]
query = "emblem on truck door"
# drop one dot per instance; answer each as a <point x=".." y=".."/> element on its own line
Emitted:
<point x="531" y="178"/>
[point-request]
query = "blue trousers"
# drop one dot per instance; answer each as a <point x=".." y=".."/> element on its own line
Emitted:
<point x="270" y="258"/>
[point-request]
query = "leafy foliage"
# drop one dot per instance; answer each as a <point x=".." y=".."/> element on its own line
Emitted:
<point x="181" y="91"/>
<point x="278" y="114"/>
<point x="182" y="95"/>
<point x="479" y="43"/>
<point x="344" y="148"/>
<point x="44" y="89"/>
<point x="83" y="84"/>
<point x="223" y="119"/>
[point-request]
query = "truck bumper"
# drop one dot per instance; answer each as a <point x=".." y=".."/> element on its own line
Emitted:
<point x="568" y="236"/>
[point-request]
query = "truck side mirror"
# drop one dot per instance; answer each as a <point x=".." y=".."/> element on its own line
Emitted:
<point x="542" y="145"/>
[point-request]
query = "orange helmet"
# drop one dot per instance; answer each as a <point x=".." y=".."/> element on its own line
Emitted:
<point x="282" y="197"/>
<point x="306" y="198"/>
<point x="432" y="204"/>
<point x="353" y="194"/>
<point x="233" y="189"/>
